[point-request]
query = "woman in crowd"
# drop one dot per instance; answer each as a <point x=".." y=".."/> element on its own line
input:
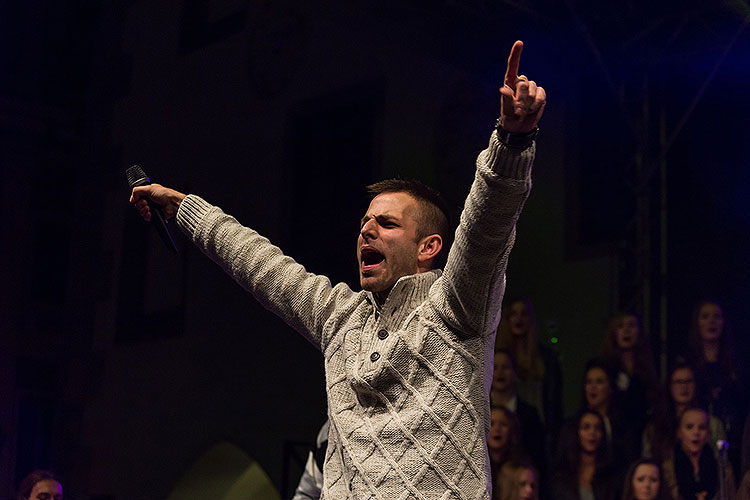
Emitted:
<point x="517" y="481"/>
<point x="712" y="353"/>
<point x="692" y="472"/>
<point x="584" y="471"/>
<point x="627" y="350"/>
<point x="643" y="481"/>
<point x="600" y="395"/>
<point x="503" y="393"/>
<point x="504" y="442"/>
<point x="537" y="367"/>
<point x="660" y="434"/>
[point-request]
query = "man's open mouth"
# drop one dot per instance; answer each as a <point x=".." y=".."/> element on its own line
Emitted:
<point x="370" y="258"/>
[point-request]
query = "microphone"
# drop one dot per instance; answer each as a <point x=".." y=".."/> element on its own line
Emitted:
<point x="137" y="177"/>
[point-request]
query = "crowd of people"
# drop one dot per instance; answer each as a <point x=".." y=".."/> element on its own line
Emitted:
<point x="632" y="437"/>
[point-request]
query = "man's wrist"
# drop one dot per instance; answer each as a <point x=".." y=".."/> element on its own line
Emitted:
<point x="515" y="140"/>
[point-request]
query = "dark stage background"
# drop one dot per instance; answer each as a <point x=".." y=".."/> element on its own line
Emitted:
<point x="121" y="365"/>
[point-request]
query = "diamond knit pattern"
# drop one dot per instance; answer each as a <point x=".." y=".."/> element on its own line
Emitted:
<point x="407" y="381"/>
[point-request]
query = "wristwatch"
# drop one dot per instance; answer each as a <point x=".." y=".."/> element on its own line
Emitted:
<point x="515" y="140"/>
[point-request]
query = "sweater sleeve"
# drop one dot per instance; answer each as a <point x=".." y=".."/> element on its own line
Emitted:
<point x="303" y="300"/>
<point x="474" y="279"/>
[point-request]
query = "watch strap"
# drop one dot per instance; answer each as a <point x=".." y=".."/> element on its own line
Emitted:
<point x="515" y="140"/>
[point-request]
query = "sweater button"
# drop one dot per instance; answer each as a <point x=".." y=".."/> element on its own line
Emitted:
<point x="383" y="334"/>
<point x="374" y="356"/>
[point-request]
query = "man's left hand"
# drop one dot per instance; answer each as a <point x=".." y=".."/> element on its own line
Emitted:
<point x="522" y="102"/>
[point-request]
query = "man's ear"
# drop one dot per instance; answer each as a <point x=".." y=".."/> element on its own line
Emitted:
<point x="429" y="247"/>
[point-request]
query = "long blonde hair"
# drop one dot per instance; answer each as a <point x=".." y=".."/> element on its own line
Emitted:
<point x="525" y="348"/>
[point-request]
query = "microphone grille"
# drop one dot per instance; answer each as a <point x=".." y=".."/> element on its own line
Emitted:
<point x="136" y="176"/>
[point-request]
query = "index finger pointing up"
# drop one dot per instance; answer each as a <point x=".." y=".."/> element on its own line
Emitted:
<point x="514" y="59"/>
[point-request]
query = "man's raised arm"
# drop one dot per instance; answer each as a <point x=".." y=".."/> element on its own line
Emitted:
<point x="302" y="299"/>
<point x="474" y="278"/>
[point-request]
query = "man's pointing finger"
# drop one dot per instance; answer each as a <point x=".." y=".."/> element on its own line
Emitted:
<point x="514" y="60"/>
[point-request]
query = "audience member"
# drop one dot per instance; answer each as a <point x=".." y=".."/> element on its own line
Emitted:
<point x="40" y="485"/>
<point x="599" y="395"/>
<point x="643" y="481"/>
<point x="583" y="470"/>
<point x="503" y="393"/>
<point x="626" y="348"/>
<point x="712" y="353"/>
<point x="517" y="481"/>
<point x="504" y="441"/>
<point x="692" y="472"/>
<point x="538" y="369"/>
<point x="660" y="434"/>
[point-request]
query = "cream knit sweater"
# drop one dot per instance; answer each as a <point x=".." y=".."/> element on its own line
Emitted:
<point x="408" y="381"/>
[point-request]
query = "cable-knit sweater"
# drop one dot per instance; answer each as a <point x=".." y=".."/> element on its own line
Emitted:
<point x="407" y="381"/>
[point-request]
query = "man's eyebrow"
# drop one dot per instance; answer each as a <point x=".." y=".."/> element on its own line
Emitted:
<point x="381" y="217"/>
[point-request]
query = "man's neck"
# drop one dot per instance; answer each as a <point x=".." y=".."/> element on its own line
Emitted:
<point x="380" y="297"/>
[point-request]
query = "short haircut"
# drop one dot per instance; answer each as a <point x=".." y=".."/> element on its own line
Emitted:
<point x="433" y="217"/>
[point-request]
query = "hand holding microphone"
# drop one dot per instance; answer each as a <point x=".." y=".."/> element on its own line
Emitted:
<point x="165" y="201"/>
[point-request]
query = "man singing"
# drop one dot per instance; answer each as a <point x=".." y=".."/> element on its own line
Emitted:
<point x="408" y="360"/>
